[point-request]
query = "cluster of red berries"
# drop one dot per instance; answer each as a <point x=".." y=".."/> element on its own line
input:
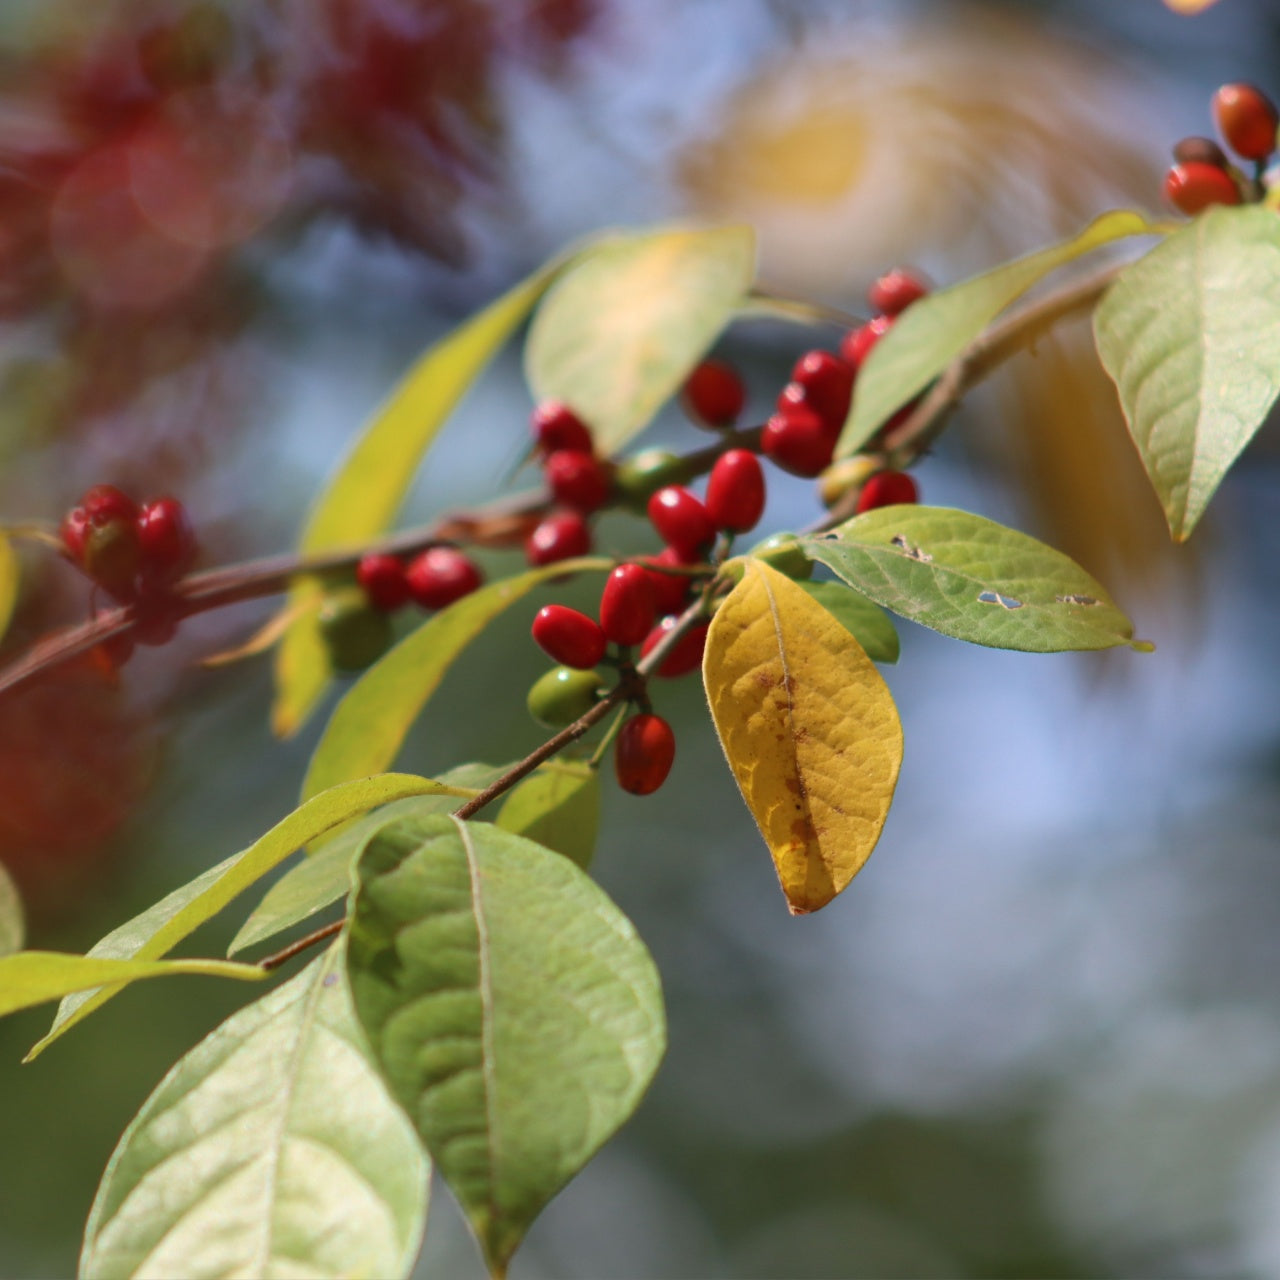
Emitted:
<point x="580" y="483"/>
<point x="1202" y="175"/>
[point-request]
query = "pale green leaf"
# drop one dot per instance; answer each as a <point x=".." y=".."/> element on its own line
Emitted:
<point x="29" y="978"/>
<point x="8" y="582"/>
<point x="1191" y="336"/>
<point x="366" y="728"/>
<point x="558" y="807"/>
<point x="869" y="625"/>
<point x="272" y="1149"/>
<point x="321" y="879"/>
<point x="161" y="927"/>
<point x="620" y="332"/>
<point x="973" y="579"/>
<point x="931" y="333"/>
<point x="12" y="923"/>
<point x="513" y="1010"/>
<point x="364" y="496"/>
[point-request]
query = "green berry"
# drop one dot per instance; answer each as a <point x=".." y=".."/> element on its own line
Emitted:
<point x="562" y="695"/>
<point x="355" y="633"/>
<point x="644" y="473"/>
<point x="782" y="551"/>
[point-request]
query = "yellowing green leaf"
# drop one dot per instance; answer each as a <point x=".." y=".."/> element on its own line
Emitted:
<point x="8" y="582"/>
<point x="369" y="724"/>
<point x="866" y="621"/>
<point x="932" y="332"/>
<point x="809" y="729"/>
<point x="558" y="807"/>
<point x="1191" y="336"/>
<point x="621" y="331"/>
<point x="12" y="920"/>
<point x="364" y="496"/>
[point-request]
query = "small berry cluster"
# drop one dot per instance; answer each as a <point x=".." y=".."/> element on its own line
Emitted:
<point x="580" y="483"/>
<point x="1202" y="175"/>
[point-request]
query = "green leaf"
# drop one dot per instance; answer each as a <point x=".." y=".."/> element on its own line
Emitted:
<point x="972" y="579"/>
<point x="869" y="625"/>
<point x="366" y="728"/>
<point x="321" y="879"/>
<point x="8" y="582"/>
<point x="931" y="333"/>
<point x="271" y="1149"/>
<point x="1191" y="336"/>
<point x="513" y="1010"/>
<point x="364" y="496"/>
<point x="12" y="924"/>
<point x="558" y="807"/>
<point x="619" y="334"/>
<point x="161" y="927"/>
<point x="29" y="978"/>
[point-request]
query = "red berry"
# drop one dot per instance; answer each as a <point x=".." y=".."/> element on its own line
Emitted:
<point x="686" y="656"/>
<point x="644" y="754"/>
<point x="627" y="604"/>
<point x="798" y="440"/>
<point x="556" y="426"/>
<point x="1247" y="120"/>
<point x="887" y="489"/>
<point x="158" y="619"/>
<point x="104" y="502"/>
<point x="561" y="536"/>
<point x="670" y="590"/>
<point x="895" y="291"/>
<point x="577" y="480"/>
<point x="856" y="345"/>
<point x="73" y="531"/>
<point x="166" y="540"/>
<point x="111" y="556"/>
<point x="1195" y="186"/>
<point x="1203" y="150"/>
<point x="440" y="575"/>
<point x="828" y="385"/>
<point x="714" y="395"/>
<point x="382" y="578"/>
<point x="681" y="520"/>
<point x="735" y="491"/>
<point x="569" y="637"/>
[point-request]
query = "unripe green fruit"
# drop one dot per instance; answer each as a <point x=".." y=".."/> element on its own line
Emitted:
<point x="355" y="633"/>
<point x="644" y="473"/>
<point x="781" y="551"/>
<point x="562" y="695"/>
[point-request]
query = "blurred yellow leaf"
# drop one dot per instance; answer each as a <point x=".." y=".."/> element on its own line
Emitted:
<point x="809" y="729"/>
<point x="8" y="582"/>
<point x="1189" y="6"/>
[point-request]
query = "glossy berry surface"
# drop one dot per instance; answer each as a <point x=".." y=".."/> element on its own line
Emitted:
<point x="627" y="604"/>
<point x="569" y="637"/>
<point x="895" y="291"/>
<point x="643" y="754"/>
<point x="166" y="540"/>
<point x="857" y="344"/>
<point x="561" y="536"/>
<point x="104" y="502"/>
<point x="735" y="491"/>
<point x="887" y="489"/>
<point x="827" y="380"/>
<point x="440" y="575"/>
<point x="1189" y="188"/>
<point x="799" y="440"/>
<point x="681" y="520"/>
<point x="560" y="696"/>
<point x="670" y="590"/>
<point x="577" y="480"/>
<point x="714" y="396"/>
<point x="687" y="654"/>
<point x="1246" y="119"/>
<point x="73" y="531"/>
<point x="556" y="426"/>
<point x="383" y="581"/>
<point x="354" y="633"/>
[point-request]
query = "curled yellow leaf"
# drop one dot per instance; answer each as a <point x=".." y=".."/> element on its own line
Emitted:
<point x="809" y="729"/>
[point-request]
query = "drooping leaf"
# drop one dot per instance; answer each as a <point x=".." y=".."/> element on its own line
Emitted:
<point x="620" y="332"/>
<point x="271" y="1149"/>
<point x="366" y="728"/>
<point x="12" y="923"/>
<point x="29" y="978"/>
<point x="1191" y="336"/>
<point x="931" y="333"/>
<point x="321" y="879"/>
<point x="869" y="625"/>
<point x="364" y="496"/>
<point x="558" y="807"/>
<point x="161" y="927"/>
<point x="809" y="729"/>
<point x="512" y="1008"/>
<point x="973" y="579"/>
<point x="8" y="582"/>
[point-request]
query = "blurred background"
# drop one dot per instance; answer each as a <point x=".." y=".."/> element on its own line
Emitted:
<point x="1040" y="1035"/>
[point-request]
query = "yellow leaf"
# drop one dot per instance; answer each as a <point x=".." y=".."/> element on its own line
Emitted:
<point x="809" y="729"/>
<point x="1189" y="6"/>
<point x="8" y="582"/>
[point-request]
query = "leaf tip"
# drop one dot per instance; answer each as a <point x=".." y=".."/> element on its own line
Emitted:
<point x="1142" y="646"/>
